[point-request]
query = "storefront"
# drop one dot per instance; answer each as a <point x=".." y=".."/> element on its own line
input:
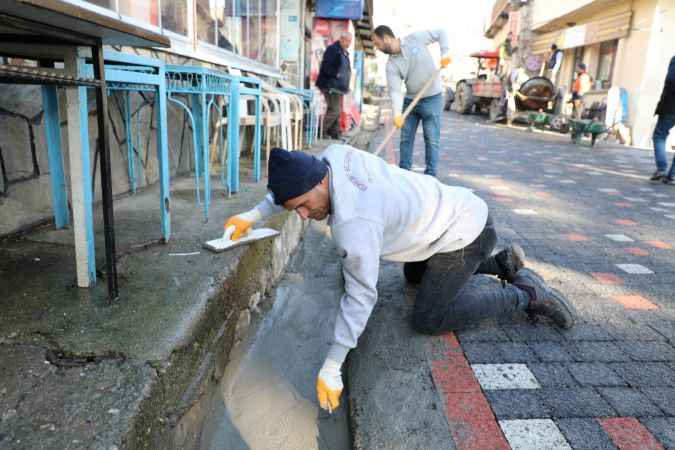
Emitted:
<point x="627" y="44"/>
<point x="243" y="34"/>
<point x="333" y="18"/>
<point x="265" y="37"/>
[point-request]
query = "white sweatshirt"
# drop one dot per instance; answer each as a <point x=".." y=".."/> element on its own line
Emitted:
<point x="381" y="211"/>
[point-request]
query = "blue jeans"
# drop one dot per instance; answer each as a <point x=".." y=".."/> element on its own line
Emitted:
<point x="663" y="126"/>
<point x="428" y="110"/>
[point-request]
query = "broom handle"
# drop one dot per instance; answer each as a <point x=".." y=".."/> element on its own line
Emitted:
<point x="407" y="111"/>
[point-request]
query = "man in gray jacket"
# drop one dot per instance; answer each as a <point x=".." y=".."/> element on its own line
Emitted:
<point x="410" y="61"/>
<point x="442" y="233"/>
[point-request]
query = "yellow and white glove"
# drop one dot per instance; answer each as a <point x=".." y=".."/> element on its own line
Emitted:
<point x="329" y="385"/>
<point x="445" y="61"/>
<point x="398" y="120"/>
<point x="240" y="225"/>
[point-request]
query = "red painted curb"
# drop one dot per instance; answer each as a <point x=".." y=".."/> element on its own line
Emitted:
<point x="470" y="419"/>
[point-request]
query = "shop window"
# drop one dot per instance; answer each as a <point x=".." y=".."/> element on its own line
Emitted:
<point x="253" y="35"/>
<point x="175" y="16"/>
<point x="269" y="44"/>
<point x="205" y="13"/>
<point x="607" y="56"/>
<point x="110" y="4"/>
<point x="231" y="28"/>
<point x="243" y="8"/>
<point x="143" y="10"/>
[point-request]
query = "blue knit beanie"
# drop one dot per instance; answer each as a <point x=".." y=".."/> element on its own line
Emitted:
<point x="291" y="174"/>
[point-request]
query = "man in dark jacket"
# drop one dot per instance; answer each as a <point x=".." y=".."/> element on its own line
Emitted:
<point x="666" y="112"/>
<point x="334" y="76"/>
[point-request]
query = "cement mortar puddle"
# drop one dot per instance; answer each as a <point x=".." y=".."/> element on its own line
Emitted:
<point x="267" y="398"/>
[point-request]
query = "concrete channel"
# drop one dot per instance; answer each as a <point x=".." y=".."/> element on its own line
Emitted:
<point x="266" y="398"/>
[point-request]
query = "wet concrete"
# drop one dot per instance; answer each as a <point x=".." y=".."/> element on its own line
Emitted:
<point x="267" y="396"/>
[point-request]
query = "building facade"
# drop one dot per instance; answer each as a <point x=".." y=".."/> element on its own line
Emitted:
<point x="624" y="43"/>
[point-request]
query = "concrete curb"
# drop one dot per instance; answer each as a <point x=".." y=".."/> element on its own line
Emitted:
<point x="172" y="414"/>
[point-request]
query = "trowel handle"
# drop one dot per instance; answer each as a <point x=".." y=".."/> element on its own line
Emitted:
<point x="227" y="234"/>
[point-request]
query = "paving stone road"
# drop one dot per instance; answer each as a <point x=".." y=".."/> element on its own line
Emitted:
<point x="596" y="229"/>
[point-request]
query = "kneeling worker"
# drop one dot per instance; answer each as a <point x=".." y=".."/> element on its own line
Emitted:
<point x="442" y="233"/>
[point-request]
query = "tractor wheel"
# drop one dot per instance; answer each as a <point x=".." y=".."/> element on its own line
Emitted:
<point x="497" y="110"/>
<point x="464" y="99"/>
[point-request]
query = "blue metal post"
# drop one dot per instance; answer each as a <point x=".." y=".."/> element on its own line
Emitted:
<point x="139" y="151"/>
<point x="196" y="107"/>
<point x="53" y="136"/>
<point x="130" y="144"/>
<point x="206" y="163"/>
<point x="257" y="137"/>
<point x="163" y="159"/>
<point x="233" y="136"/>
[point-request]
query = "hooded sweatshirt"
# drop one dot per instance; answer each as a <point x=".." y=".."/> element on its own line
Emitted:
<point x="379" y="211"/>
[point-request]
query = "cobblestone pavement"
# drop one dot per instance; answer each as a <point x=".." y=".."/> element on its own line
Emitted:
<point x="596" y="229"/>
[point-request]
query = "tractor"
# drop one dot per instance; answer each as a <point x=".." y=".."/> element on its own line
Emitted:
<point x="481" y="92"/>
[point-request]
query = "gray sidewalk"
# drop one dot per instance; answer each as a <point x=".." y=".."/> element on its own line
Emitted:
<point x="597" y="230"/>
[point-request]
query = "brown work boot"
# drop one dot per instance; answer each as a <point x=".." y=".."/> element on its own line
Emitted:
<point x="510" y="260"/>
<point x="544" y="300"/>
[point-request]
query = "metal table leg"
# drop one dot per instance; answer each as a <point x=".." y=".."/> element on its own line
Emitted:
<point x="106" y="176"/>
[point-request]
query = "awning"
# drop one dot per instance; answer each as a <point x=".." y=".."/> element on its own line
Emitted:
<point x="605" y="29"/>
<point x="488" y="54"/>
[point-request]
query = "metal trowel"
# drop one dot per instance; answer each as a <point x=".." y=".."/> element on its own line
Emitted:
<point x="225" y="243"/>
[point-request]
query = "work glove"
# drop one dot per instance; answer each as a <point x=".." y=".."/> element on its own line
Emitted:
<point x="445" y="61"/>
<point x="240" y="225"/>
<point x="398" y="120"/>
<point x="329" y="385"/>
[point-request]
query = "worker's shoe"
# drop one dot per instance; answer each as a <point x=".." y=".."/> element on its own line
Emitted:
<point x="669" y="180"/>
<point x="659" y="175"/>
<point x="544" y="300"/>
<point x="510" y="261"/>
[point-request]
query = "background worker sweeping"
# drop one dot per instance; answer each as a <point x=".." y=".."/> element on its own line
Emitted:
<point x="376" y="211"/>
<point x="410" y="61"/>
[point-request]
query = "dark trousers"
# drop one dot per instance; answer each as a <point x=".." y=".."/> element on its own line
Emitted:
<point x="331" y="121"/>
<point x="663" y="127"/>
<point x="445" y="303"/>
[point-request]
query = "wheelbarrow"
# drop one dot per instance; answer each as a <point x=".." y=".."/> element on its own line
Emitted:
<point x="580" y="128"/>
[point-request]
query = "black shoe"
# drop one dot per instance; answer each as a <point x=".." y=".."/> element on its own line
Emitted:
<point x="669" y="180"/>
<point x="511" y="260"/>
<point x="544" y="300"/>
<point x="659" y="175"/>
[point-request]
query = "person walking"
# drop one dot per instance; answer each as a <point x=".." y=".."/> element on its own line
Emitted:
<point x="443" y="234"/>
<point x="333" y="81"/>
<point x="410" y="61"/>
<point x="554" y="63"/>
<point x="665" y="109"/>
<point x="582" y="84"/>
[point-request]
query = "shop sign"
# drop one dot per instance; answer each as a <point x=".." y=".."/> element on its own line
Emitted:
<point x="339" y="9"/>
